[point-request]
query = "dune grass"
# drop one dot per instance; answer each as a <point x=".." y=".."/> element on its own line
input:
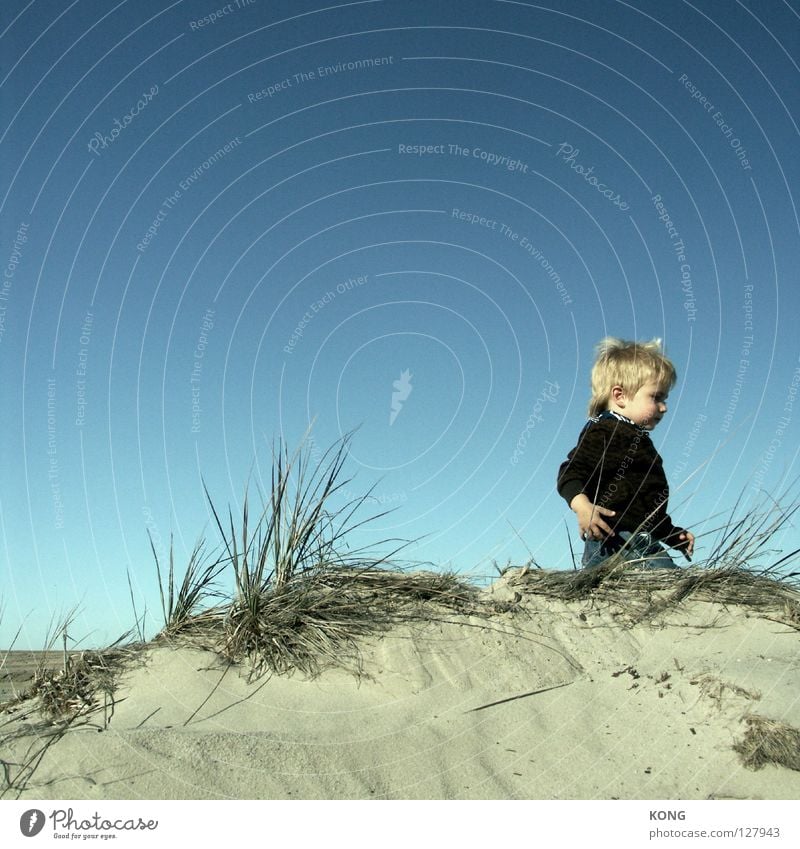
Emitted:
<point x="302" y="594"/>
<point x="734" y="573"/>
<point x="287" y="592"/>
<point x="59" y="699"/>
<point x="769" y="742"/>
<point x="75" y="687"/>
<point x="7" y="652"/>
<point x="645" y="594"/>
<point x="181" y="603"/>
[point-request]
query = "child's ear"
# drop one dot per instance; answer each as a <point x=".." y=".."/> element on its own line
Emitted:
<point x="618" y="395"/>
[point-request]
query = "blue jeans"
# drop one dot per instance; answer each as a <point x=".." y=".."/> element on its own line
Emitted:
<point x="642" y="550"/>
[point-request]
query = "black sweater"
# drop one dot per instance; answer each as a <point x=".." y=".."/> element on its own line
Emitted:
<point x="616" y="466"/>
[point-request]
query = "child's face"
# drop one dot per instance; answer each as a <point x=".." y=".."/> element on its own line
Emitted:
<point x="647" y="406"/>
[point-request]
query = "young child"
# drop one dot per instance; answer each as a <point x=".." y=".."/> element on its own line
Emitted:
<point x="614" y="478"/>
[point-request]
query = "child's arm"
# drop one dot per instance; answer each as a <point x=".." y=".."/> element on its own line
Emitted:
<point x="574" y="477"/>
<point x="678" y="538"/>
<point x="685" y="543"/>
<point x="590" y="517"/>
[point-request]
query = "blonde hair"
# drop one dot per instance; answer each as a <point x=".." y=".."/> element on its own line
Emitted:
<point x="629" y="365"/>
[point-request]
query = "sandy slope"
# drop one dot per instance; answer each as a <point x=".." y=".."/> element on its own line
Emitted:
<point x="556" y="701"/>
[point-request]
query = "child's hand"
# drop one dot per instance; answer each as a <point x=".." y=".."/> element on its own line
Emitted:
<point x="686" y="544"/>
<point x="590" y="518"/>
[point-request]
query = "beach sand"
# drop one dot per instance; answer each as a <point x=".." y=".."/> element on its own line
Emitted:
<point x="554" y="700"/>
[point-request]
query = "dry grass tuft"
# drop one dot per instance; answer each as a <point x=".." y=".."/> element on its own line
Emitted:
<point x="731" y="575"/>
<point x="83" y="679"/>
<point x="85" y="683"/>
<point x="300" y="598"/>
<point x="58" y="700"/>
<point x="316" y="620"/>
<point x="643" y="594"/>
<point x="769" y="742"/>
<point x="302" y="595"/>
<point x="179" y="604"/>
<point x="715" y="689"/>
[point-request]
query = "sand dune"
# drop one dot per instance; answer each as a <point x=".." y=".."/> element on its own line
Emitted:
<point x="554" y="700"/>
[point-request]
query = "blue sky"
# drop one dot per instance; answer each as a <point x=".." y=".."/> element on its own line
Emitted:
<point x="221" y="223"/>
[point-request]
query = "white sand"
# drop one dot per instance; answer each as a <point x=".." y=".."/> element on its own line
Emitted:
<point x="556" y="702"/>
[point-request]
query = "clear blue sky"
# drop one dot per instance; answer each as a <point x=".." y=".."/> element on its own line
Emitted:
<point x="221" y="222"/>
